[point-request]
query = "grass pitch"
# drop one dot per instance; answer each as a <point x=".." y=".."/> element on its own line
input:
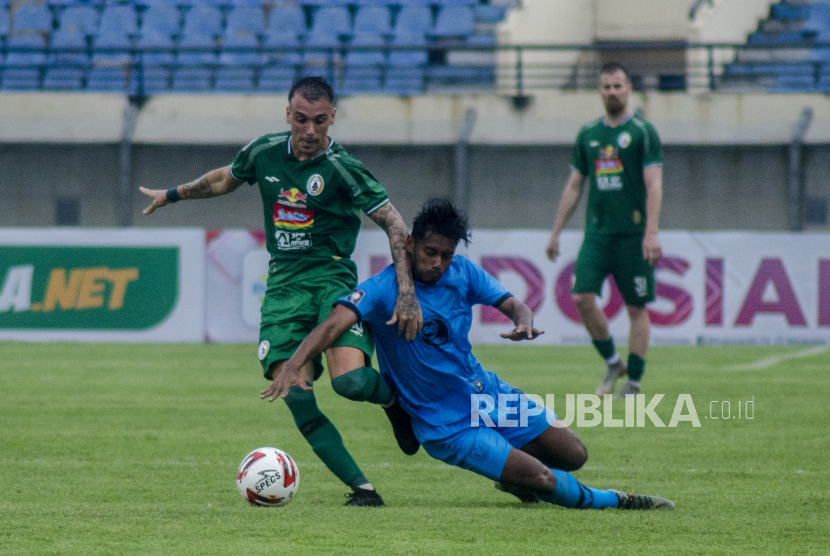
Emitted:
<point x="132" y="449"/>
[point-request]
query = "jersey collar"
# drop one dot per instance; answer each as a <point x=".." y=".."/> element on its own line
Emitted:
<point x="331" y="143"/>
<point x="622" y="123"/>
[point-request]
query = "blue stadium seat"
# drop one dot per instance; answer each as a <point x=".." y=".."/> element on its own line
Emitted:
<point x="118" y="18"/>
<point x="148" y="3"/>
<point x="786" y="11"/>
<point x="489" y="13"/>
<point x="240" y="50"/>
<point x="63" y="78"/>
<point x="149" y="80"/>
<point x="366" y="57"/>
<point x="414" y="56"/>
<point x="64" y="3"/>
<point x="21" y="79"/>
<point x="482" y="40"/>
<point x="283" y="48"/>
<point x="321" y="50"/>
<point x="284" y="18"/>
<point x="107" y="79"/>
<point x="454" y="21"/>
<point x="331" y="20"/>
<point x="455" y="2"/>
<point x="276" y="78"/>
<point x="32" y="17"/>
<point x="461" y="76"/>
<point x="5" y="24"/>
<point x="34" y="53"/>
<point x="161" y="19"/>
<point x="245" y="19"/>
<point x="155" y="49"/>
<point x="372" y="19"/>
<point x="235" y="80"/>
<point x="404" y="81"/>
<point x="202" y="53"/>
<point x="203" y="20"/>
<point x="194" y="79"/>
<point x="414" y="20"/>
<point x="75" y="46"/>
<point x="109" y="49"/>
<point x="81" y="18"/>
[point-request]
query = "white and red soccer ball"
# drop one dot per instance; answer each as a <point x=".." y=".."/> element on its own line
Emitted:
<point x="268" y="477"/>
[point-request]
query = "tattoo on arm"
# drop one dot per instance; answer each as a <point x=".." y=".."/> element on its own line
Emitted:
<point x="391" y="222"/>
<point x="200" y="189"/>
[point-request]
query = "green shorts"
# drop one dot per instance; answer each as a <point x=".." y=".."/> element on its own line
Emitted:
<point x="290" y="312"/>
<point x="621" y="256"/>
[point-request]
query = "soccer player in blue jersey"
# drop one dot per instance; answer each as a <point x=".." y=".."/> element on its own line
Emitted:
<point x="439" y="382"/>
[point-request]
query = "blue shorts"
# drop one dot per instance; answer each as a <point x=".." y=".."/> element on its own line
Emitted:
<point x="484" y="449"/>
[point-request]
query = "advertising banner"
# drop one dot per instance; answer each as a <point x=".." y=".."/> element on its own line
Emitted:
<point x="712" y="287"/>
<point x="102" y="285"/>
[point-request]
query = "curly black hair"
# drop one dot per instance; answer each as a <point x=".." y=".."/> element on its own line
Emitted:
<point x="442" y="217"/>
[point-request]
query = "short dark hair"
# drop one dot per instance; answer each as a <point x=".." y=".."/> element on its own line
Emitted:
<point x="442" y="217"/>
<point x="611" y="67"/>
<point x="312" y="88"/>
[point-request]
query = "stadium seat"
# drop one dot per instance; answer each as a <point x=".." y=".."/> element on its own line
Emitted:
<point x="331" y="20"/>
<point x="283" y="48"/>
<point x="118" y="18"/>
<point x="276" y="78"/>
<point x="202" y="20"/>
<point x="196" y="50"/>
<point x="321" y="50"/>
<point x="161" y="19"/>
<point x="414" y="20"/>
<point x="79" y="18"/>
<point x="32" y="17"/>
<point x="147" y="80"/>
<point x="461" y="76"/>
<point x="284" y="18"/>
<point x="68" y="47"/>
<point x="107" y="79"/>
<point x="34" y="54"/>
<point x="5" y="26"/>
<point x="361" y="57"/>
<point x="148" y="3"/>
<point x="481" y="40"/>
<point x="155" y="49"/>
<point x="191" y="78"/>
<point x="63" y="78"/>
<point x="235" y="80"/>
<point x="414" y="56"/>
<point x="372" y="19"/>
<point x="489" y="13"/>
<point x="240" y="50"/>
<point x="110" y="49"/>
<point x="404" y="81"/>
<point x="455" y="2"/>
<point x="454" y="21"/>
<point x="25" y="79"/>
<point x="245" y="20"/>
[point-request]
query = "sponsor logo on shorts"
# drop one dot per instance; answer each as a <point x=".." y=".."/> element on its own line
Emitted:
<point x="479" y="451"/>
<point x="640" y="286"/>
<point x="263" y="349"/>
<point x="357" y="329"/>
<point x="315" y="185"/>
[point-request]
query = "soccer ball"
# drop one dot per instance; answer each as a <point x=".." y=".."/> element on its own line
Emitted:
<point x="268" y="477"/>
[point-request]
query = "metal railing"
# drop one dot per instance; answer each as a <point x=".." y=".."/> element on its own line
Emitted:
<point x="506" y="69"/>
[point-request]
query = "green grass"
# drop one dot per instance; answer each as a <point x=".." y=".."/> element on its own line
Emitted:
<point x="132" y="449"/>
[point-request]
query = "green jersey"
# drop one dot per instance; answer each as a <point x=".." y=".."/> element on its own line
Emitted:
<point x="613" y="159"/>
<point x="311" y="207"/>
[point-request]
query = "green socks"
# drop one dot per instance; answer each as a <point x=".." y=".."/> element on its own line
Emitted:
<point x="636" y="367"/>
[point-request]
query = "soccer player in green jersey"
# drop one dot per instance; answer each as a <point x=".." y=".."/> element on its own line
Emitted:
<point x="622" y="159"/>
<point x="312" y="194"/>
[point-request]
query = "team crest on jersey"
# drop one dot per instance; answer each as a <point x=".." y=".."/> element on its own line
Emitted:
<point x="624" y="139"/>
<point x="356" y="296"/>
<point x="263" y="349"/>
<point x="315" y="184"/>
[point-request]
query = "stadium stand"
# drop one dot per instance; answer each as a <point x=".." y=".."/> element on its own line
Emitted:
<point x="91" y="40"/>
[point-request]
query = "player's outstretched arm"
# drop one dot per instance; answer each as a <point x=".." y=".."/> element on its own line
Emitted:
<point x="407" y="309"/>
<point x="323" y="336"/>
<point x="567" y="206"/>
<point x="522" y="318"/>
<point x="213" y="184"/>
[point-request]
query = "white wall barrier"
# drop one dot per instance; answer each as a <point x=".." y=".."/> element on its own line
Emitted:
<point x="712" y="287"/>
<point x="123" y="285"/>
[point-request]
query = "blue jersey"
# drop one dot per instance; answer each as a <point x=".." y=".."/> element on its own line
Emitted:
<point x="436" y="373"/>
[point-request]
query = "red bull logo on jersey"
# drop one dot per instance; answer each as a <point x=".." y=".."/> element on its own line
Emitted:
<point x="292" y="219"/>
<point x="292" y="198"/>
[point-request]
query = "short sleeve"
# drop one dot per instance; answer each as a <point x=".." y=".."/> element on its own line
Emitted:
<point x="653" y="148"/>
<point x="369" y="299"/>
<point x="579" y="161"/>
<point x="483" y="289"/>
<point x="243" y="167"/>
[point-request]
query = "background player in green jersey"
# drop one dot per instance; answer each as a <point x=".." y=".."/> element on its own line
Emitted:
<point x="312" y="193"/>
<point x="622" y="159"/>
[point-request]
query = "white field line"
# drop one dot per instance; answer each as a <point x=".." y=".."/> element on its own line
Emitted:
<point x="770" y="361"/>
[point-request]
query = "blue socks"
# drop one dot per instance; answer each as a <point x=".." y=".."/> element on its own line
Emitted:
<point x="570" y="493"/>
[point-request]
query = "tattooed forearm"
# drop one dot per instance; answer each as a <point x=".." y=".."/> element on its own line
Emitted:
<point x="391" y="222"/>
<point x="199" y="189"/>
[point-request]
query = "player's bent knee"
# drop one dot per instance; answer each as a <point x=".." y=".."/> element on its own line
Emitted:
<point x="353" y="385"/>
